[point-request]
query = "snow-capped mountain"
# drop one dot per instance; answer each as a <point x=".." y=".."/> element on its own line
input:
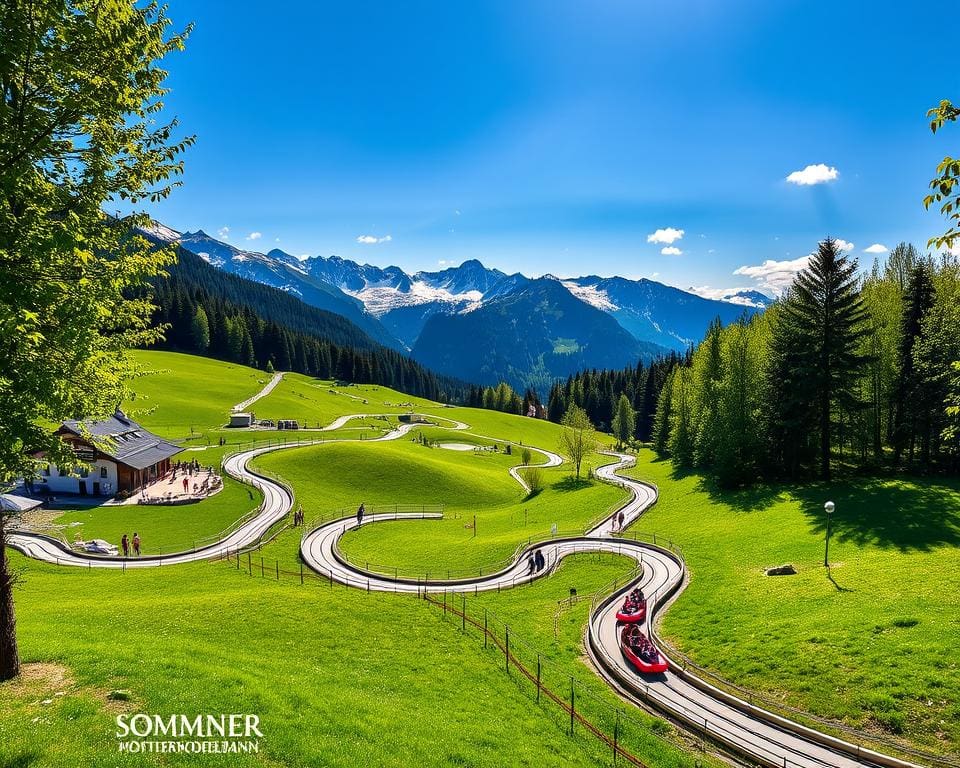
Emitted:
<point x="529" y="337"/>
<point x="655" y="312"/>
<point x="394" y="306"/>
<point x="403" y="303"/>
<point x="288" y="273"/>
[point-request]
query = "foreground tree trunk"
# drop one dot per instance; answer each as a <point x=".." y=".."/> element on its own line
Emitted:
<point x="9" y="657"/>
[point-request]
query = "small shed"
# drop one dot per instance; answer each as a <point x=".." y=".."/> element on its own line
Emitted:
<point x="413" y="418"/>
<point x="241" y="419"/>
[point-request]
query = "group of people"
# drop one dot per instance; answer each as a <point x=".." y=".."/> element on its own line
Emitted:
<point x="536" y="561"/>
<point x="126" y="542"/>
<point x="187" y="467"/>
<point x="193" y="469"/>
<point x="298" y="516"/>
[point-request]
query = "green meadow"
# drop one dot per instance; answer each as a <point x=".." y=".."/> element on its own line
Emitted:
<point x="341" y="677"/>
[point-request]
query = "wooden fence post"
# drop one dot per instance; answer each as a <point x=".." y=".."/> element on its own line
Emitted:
<point x="507" y="652"/>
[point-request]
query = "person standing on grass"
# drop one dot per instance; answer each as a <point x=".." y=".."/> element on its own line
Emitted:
<point x="360" y="510"/>
<point x="125" y="545"/>
<point x="136" y="544"/>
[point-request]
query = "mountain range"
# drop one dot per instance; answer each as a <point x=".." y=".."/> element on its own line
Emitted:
<point x="481" y="324"/>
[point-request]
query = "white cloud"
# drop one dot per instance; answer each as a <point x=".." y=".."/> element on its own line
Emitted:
<point x="668" y="236"/>
<point x="654" y="274"/>
<point x="671" y="250"/>
<point x="442" y="262"/>
<point x="277" y="240"/>
<point x="813" y="174"/>
<point x="254" y="236"/>
<point x="303" y="256"/>
<point x="876" y="248"/>
<point x="774" y="276"/>
<point x="843" y="245"/>
<point x="223" y="233"/>
<point x="953" y="250"/>
<point x="373" y="239"/>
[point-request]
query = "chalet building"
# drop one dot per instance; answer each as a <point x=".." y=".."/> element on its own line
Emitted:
<point x="119" y="456"/>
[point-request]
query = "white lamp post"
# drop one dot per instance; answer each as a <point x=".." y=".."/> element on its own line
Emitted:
<point x="828" y="508"/>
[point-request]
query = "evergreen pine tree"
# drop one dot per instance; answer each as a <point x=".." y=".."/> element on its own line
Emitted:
<point x="827" y="317"/>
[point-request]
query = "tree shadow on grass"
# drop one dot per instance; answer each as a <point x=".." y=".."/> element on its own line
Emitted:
<point x="909" y="515"/>
<point x="751" y="498"/>
<point x="906" y="514"/>
<point x="23" y="760"/>
<point x="570" y="483"/>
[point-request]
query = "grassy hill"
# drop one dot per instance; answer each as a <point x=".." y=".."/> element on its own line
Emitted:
<point x="328" y="477"/>
<point x="183" y="393"/>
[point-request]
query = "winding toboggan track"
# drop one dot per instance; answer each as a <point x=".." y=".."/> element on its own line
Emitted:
<point x="762" y="736"/>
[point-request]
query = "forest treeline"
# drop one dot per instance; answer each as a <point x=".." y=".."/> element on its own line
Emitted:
<point x="597" y="392"/>
<point x="844" y="369"/>
<point x="214" y="313"/>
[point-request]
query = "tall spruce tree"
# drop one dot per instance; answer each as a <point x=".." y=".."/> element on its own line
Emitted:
<point x="911" y="415"/>
<point x="826" y="318"/>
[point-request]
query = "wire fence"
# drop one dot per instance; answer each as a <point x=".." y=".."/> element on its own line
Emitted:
<point x="574" y="705"/>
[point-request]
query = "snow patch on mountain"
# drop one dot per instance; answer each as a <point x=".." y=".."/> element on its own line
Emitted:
<point x="162" y="232"/>
<point x="592" y="295"/>
<point x="380" y="299"/>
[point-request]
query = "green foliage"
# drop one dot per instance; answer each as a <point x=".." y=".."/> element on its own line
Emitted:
<point x="827" y="319"/>
<point x="951" y="432"/>
<point x="533" y="477"/>
<point x="80" y="95"/>
<point x="598" y="393"/>
<point x="662" y="422"/>
<point x="578" y="438"/>
<point x="681" y="418"/>
<point x="912" y="418"/>
<point x="200" y="331"/>
<point x="624" y="421"/>
<point x="946" y="184"/>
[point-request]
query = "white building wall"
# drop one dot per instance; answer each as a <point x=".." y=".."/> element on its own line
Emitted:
<point x="70" y="483"/>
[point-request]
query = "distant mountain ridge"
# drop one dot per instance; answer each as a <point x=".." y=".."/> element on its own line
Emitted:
<point x="530" y="336"/>
<point x="429" y="313"/>
<point x="281" y="270"/>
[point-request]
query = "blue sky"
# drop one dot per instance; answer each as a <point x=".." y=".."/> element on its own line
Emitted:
<point x="561" y="136"/>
